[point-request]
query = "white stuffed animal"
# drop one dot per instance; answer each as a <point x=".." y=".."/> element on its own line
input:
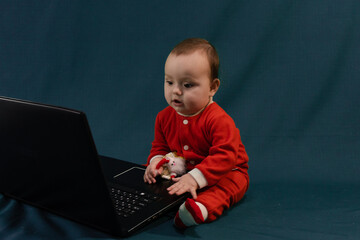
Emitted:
<point x="173" y="166"/>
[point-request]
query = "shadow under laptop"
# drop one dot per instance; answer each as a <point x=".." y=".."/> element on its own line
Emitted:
<point x="21" y="221"/>
<point x="163" y="228"/>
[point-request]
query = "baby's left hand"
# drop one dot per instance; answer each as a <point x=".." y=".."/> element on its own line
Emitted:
<point x="185" y="183"/>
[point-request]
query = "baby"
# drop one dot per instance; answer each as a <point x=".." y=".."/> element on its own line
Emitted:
<point x="199" y="130"/>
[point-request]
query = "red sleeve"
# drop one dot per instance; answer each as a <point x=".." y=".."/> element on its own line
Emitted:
<point x="225" y="151"/>
<point x="159" y="145"/>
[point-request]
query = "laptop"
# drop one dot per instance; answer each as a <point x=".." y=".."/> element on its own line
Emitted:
<point x="49" y="160"/>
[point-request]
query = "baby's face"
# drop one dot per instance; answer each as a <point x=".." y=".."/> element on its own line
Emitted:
<point x="188" y="87"/>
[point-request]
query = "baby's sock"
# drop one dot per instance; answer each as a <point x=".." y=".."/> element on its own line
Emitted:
<point x="190" y="213"/>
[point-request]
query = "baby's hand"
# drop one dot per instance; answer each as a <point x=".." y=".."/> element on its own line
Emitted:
<point x="151" y="172"/>
<point x="184" y="184"/>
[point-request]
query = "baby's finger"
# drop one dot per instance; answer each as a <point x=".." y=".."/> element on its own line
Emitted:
<point x="148" y="178"/>
<point x="172" y="188"/>
<point x="180" y="191"/>
<point x="176" y="179"/>
<point x="154" y="173"/>
<point x="177" y="189"/>
<point x="152" y="179"/>
<point x="145" y="175"/>
<point x="193" y="193"/>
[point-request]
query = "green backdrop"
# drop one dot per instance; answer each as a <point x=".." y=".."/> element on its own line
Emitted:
<point x="290" y="73"/>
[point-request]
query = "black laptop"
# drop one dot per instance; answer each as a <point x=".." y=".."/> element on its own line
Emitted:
<point x="48" y="159"/>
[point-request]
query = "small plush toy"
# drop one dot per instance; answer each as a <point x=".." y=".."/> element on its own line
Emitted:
<point x="173" y="166"/>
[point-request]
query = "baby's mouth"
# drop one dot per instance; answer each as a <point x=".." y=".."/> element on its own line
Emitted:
<point x="177" y="101"/>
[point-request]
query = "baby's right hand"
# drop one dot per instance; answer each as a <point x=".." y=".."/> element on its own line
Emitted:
<point x="151" y="172"/>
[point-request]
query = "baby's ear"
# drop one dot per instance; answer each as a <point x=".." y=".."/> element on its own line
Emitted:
<point x="215" y="84"/>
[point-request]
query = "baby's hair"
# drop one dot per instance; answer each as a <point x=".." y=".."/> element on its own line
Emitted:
<point x="191" y="45"/>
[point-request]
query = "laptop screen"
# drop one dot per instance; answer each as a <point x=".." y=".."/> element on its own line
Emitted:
<point x="49" y="160"/>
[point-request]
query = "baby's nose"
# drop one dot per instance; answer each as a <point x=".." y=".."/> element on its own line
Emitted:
<point x="177" y="90"/>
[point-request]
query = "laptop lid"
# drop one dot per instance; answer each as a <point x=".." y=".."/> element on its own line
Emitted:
<point x="49" y="160"/>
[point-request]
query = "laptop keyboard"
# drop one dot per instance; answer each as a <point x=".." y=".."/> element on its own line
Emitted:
<point x="128" y="201"/>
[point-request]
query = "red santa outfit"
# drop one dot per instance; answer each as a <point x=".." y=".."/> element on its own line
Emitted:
<point x="214" y="153"/>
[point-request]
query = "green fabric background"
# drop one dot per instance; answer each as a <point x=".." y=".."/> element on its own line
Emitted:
<point x="290" y="74"/>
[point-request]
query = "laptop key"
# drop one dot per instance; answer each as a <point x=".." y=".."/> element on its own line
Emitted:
<point x="128" y="201"/>
<point x="142" y="204"/>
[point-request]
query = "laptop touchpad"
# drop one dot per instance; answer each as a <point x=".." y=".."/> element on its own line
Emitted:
<point x="134" y="177"/>
<point x="131" y="174"/>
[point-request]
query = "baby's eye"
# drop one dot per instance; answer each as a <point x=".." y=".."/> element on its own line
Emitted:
<point x="188" y="85"/>
<point x="168" y="82"/>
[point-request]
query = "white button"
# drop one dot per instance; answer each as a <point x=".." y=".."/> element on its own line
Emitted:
<point x="186" y="147"/>
<point x="185" y="122"/>
<point x="192" y="162"/>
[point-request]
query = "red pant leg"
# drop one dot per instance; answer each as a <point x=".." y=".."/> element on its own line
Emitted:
<point x="228" y="191"/>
